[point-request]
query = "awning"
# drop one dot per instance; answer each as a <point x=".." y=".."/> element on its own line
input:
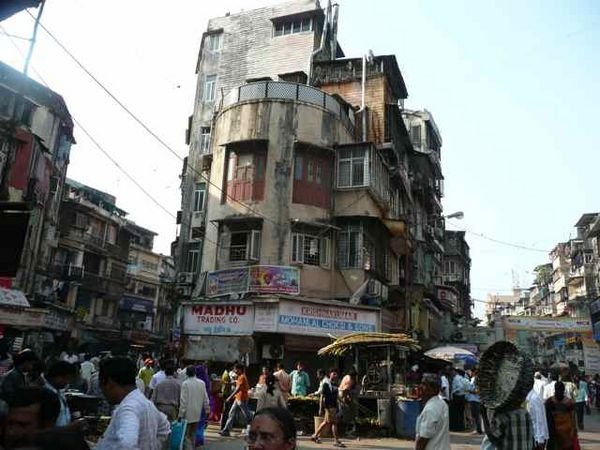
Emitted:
<point x="12" y="297"/>
<point x="396" y="227"/>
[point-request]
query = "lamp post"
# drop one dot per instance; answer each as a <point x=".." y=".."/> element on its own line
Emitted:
<point x="459" y="215"/>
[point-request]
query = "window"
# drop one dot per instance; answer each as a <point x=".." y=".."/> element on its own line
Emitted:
<point x="415" y="134"/>
<point x="193" y="261"/>
<point x="293" y="27"/>
<point x="199" y="197"/>
<point x="210" y="88"/>
<point x="319" y="174"/>
<point x="204" y="140"/>
<point x="310" y="167"/>
<point x="111" y="234"/>
<point x="246" y="175"/>
<point x="353" y="167"/>
<point x="244" y="245"/>
<point x="298" y="165"/>
<point x="310" y="249"/>
<point x="213" y="42"/>
<point x="349" y="247"/>
<point x="81" y="220"/>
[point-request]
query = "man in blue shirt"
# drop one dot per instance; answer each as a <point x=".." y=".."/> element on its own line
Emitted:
<point x="58" y="376"/>
<point x="472" y="397"/>
<point x="300" y="381"/>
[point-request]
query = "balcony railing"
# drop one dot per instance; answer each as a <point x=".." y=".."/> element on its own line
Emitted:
<point x="290" y="91"/>
<point x="67" y="272"/>
<point x="98" y="242"/>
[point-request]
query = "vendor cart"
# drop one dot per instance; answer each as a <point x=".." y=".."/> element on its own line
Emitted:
<point x="381" y="362"/>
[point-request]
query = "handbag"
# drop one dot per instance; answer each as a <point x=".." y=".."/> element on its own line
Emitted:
<point x="177" y="438"/>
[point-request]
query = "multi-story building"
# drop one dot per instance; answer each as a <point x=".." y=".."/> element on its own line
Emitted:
<point x="90" y="262"/>
<point x="275" y="43"/>
<point x="36" y="134"/>
<point x="299" y="195"/>
<point x="456" y="273"/>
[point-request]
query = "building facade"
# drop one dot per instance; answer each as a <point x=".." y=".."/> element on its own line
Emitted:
<point x="307" y="210"/>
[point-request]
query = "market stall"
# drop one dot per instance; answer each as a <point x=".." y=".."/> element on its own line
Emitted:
<point x="386" y="396"/>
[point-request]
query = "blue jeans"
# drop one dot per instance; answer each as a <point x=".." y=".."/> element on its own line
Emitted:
<point x="237" y="406"/>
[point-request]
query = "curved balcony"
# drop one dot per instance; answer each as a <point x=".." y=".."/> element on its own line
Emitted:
<point x="281" y="90"/>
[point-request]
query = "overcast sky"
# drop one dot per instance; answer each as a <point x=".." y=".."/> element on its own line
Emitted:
<point x="513" y="87"/>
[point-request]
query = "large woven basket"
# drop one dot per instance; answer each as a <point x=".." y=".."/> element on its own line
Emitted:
<point x="505" y="376"/>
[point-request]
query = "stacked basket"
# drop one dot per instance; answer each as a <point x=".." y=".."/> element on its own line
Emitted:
<point x="505" y="376"/>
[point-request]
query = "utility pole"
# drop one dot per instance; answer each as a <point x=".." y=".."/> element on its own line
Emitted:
<point x="33" y="37"/>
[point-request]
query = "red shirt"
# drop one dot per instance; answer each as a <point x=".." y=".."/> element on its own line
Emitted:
<point x="242" y="385"/>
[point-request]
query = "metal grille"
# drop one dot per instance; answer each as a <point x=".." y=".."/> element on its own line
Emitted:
<point x="310" y="95"/>
<point x="282" y="90"/>
<point x="332" y="105"/>
<point x="252" y="91"/>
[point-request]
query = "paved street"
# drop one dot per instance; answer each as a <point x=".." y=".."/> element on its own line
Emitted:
<point x="590" y="440"/>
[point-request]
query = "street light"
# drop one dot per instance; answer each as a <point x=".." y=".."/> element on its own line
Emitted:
<point x="455" y="215"/>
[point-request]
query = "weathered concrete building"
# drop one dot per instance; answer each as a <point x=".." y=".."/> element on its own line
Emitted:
<point x="298" y="218"/>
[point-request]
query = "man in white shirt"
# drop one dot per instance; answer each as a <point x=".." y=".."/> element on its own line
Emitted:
<point x="136" y="423"/>
<point x="537" y="412"/>
<point x="457" y="402"/>
<point x="445" y="390"/>
<point x="87" y="368"/>
<point x="193" y="399"/>
<point x="538" y="383"/>
<point x="157" y="378"/>
<point x="432" y="424"/>
<point x="69" y="356"/>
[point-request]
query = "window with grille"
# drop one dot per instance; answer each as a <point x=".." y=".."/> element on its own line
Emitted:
<point x="350" y="242"/>
<point x="213" y="41"/>
<point x="199" y="197"/>
<point x="415" y="134"/>
<point x="205" y="140"/>
<point x="353" y="167"/>
<point x="210" y="88"/>
<point x="292" y="27"/>
<point x="310" y="249"/>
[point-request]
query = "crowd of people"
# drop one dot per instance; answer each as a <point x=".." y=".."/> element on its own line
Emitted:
<point x="549" y="418"/>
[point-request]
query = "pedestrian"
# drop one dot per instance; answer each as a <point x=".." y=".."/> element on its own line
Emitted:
<point x="581" y="398"/>
<point x="549" y="387"/>
<point x="445" y="387"/>
<point x="508" y="429"/>
<point x="69" y="356"/>
<point x="165" y="395"/>
<point x="272" y="429"/>
<point x="562" y="424"/>
<point x="202" y="375"/>
<point x="284" y="380"/>
<point x="181" y="375"/>
<point x="300" y="381"/>
<point x="216" y="401"/>
<point x="35" y="377"/>
<point x="474" y="402"/>
<point x="146" y="373"/>
<point x="135" y="423"/>
<point x="328" y="407"/>
<point x="78" y="383"/>
<point x="240" y="397"/>
<point x="348" y="392"/>
<point x="6" y="360"/>
<point x="87" y="368"/>
<point x="432" y="431"/>
<point x="538" y="383"/>
<point x="193" y="400"/>
<point x="457" y="402"/>
<point x="58" y="376"/>
<point x="16" y="378"/>
<point x="158" y="377"/>
<point x="30" y="422"/>
<point x="262" y="379"/>
<point x="570" y="386"/>
<point x="539" y="422"/>
<point x="226" y="390"/>
<point x="270" y="396"/>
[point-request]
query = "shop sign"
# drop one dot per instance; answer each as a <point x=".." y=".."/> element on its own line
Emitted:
<point x="274" y="280"/>
<point x="218" y="319"/>
<point x="225" y="282"/>
<point x="56" y="321"/>
<point x="542" y="324"/>
<point x="13" y="297"/>
<point x="131" y="303"/>
<point x="321" y="320"/>
<point x="32" y="317"/>
<point x="265" y="317"/>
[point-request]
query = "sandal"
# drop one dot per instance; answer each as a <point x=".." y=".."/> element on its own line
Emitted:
<point x="315" y="439"/>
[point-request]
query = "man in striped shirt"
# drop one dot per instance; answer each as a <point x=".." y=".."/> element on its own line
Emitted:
<point x="510" y="430"/>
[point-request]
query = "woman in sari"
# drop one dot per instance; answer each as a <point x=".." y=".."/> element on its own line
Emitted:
<point x="562" y="424"/>
<point x="202" y="374"/>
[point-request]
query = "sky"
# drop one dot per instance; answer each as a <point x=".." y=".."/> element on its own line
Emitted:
<point x="512" y="85"/>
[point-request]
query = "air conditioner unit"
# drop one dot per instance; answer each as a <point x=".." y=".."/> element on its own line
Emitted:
<point x="198" y="215"/>
<point x="272" y="351"/>
<point x="185" y="277"/>
<point x="141" y="325"/>
<point x="184" y="291"/>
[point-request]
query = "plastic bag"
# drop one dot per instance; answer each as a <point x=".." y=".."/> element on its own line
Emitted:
<point x="178" y="429"/>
